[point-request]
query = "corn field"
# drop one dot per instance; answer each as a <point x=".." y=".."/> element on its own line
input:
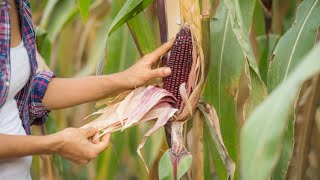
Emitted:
<point x="250" y="107"/>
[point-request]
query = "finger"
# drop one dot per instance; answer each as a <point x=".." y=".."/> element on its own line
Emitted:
<point x="104" y="143"/>
<point x="89" y="132"/>
<point x="95" y="138"/>
<point x="161" y="50"/>
<point x="160" y="72"/>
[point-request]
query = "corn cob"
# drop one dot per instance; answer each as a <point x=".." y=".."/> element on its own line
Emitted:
<point x="180" y="62"/>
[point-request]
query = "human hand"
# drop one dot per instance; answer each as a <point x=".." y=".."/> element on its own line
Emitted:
<point x="142" y="71"/>
<point x="75" y="144"/>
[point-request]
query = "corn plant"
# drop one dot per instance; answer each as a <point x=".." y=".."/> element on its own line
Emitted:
<point x="232" y="117"/>
<point x="175" y="103"/>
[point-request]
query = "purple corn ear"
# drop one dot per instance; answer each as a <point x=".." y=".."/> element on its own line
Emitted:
<point x="180" y="62"/>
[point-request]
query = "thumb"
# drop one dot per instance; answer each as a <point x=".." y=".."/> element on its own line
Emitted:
<point x="161" y="72"/>
<point x="89" y="132"/>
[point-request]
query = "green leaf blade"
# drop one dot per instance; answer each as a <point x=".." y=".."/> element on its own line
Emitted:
<point x="262" y="136"/>
<point x="223" y="164"/>
<point x="184" y="165"/>
<point x="165" y="169"/>
<point x="266" y="45"/>
<point x="223" y="80"/>
<point x="142" y="34"/>
<point x="241" y="26"/>
<point x="84" y="9"/>
<point x="61" y="13"/>
<point x="295" y="44"/>
<point x="129" y="10"/>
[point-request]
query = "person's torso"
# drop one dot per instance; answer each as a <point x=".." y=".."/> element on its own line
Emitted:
<point x="28" y="36"/>
<point x="10" y="122"/>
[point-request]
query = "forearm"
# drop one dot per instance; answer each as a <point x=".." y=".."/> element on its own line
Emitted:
<point x="13" y="146"/>
<point x="67" y="92"/>
<point x="63" y="93"/>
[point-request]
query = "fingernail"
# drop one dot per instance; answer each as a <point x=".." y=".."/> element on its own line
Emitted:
<point x="167" y="71"/>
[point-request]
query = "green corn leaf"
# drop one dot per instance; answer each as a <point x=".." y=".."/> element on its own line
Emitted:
<point x="142" y="34"/>
<point x="184" y="165"/>
<point x="165" y="169"/>
<point x="43" y="44"/>
<point x="246" y="8"/>
<point x="63" y="11"/>
<point x="258" y="20"/>
<point x="47" y="13"/>
<point x="295" y="44"/>
<point x="223" y="80"/>
<point x="129" y="10"/>
<point x="152" y="146"/>
<point x="241" y="13"/>
<point x="55" y="15"/>
<point x="121" y="52"/>
<point x="84" y="9"/>
<point x="266" y="46"/>
<point x="207" y="156"/>
<point x="223" y="164"/>
<point x="263" y="134"/>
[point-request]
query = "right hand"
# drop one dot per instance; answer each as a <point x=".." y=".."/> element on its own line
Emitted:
<point x="142" y="71"/>
<point x="76" y="144"/>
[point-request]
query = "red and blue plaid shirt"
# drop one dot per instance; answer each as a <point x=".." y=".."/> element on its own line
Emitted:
<point x="31" y="108"/>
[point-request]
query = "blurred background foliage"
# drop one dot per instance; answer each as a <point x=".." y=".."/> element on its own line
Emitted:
<point x="72" y="46"/>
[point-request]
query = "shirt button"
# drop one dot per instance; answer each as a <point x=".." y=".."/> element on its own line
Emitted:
<point x="7" y="83"/>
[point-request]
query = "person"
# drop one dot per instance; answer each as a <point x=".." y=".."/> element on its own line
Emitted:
<point x="27" y="94"/>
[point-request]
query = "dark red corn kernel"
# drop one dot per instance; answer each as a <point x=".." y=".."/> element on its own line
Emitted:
<point x="180" y="62"/>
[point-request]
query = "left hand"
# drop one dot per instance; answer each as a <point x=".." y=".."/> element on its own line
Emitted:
<point x="141" y="72"/>
<point x="75" y="144"/>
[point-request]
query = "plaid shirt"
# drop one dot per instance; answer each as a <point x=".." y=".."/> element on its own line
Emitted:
<point x="31" y="109"/>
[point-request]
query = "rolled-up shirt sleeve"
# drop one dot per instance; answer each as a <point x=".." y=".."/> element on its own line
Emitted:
<point x="38" y="112"/>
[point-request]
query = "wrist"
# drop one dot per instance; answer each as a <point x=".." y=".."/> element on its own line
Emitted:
<point x="53" y="143"/>
<point x="122" y="81"/>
